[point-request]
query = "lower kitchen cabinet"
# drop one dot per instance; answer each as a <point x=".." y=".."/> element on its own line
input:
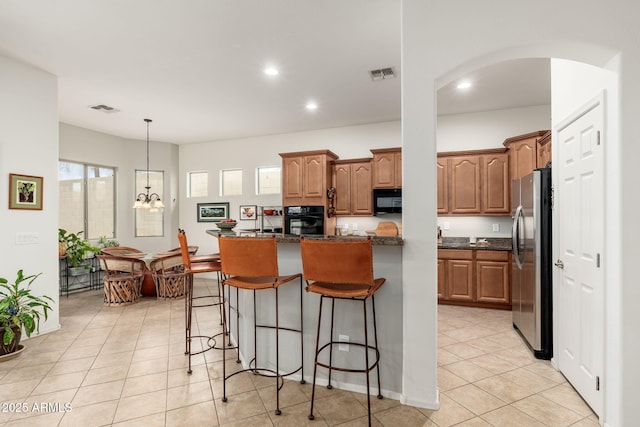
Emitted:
<point x="479" y="278"/>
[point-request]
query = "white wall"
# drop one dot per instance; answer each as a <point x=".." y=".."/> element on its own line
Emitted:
<point x="489" y="129"/>
<point x="29" y="146"/>
<point x="126" y="155"/>
<point x="250" y="153"/>
<point x="592" y="32"/>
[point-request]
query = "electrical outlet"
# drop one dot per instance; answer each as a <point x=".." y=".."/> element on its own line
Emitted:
<point x="496" y="228"/>
<point x="344" y="344"/>
<point x="445" y="226"/>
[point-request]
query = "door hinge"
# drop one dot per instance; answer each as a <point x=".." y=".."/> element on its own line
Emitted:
<point x="598" y="260"/>
<point x="598" y="136"/>
<point x="552" y="193"/>
<point x="597" y="383"/>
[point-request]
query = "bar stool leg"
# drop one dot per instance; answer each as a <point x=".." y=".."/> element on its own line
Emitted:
<point x="224" y="352"/>
<point x="366" y="357"/>
<point x="315" y="364"/>
<point x="278" y="412"/>
<point x="302" y="381"/>
<point x="375" y="337"/>
<point x="333" y="302"/>
<point x="237" y="327"/>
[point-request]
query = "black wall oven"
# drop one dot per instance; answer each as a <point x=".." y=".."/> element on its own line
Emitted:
<point x="304" y="220"/>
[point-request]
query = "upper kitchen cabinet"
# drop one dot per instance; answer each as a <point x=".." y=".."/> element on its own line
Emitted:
<point x="442" y="168"/>
<point x="495" y="179"/>
<point x="523" y="153"/>
<point x="544" y="150"/>
<point x="473" y="182"/>
<point x="387" y="168"/>
<point x="306" y="177"/>
<point x="352" y="180"/>
<point x="464" y="180"/>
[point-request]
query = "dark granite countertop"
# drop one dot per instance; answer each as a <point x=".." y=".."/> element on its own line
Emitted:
<point x="493" y="244"/>
<point x="290" y="238"/>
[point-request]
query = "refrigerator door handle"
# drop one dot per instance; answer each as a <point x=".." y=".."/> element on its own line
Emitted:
<point x="515" y="236"/>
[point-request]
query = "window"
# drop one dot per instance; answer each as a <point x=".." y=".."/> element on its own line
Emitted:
<point x="150" y="222"/>
<point x="231" y="182"/>
<point x="268" y="180"/>
<point x="86" y="199"/>
<point x="197" y="184"/>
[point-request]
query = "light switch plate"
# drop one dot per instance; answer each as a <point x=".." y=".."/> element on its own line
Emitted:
<point x="27" y="238"/>
<point x="445" y="226"/>
<point x="496" y="228"/>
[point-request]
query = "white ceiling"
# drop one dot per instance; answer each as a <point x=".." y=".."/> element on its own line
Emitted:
<point x="195" y="66"/>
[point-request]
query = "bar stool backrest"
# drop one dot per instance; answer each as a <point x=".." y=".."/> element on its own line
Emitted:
<point x="339" y="262"/>
<point x="249" y="256"/>
<point x="184" y="248"/>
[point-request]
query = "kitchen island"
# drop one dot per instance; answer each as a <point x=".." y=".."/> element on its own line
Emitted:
<point x="387" y="259"/>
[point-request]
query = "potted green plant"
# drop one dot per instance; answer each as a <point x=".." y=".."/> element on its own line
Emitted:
<point x="77" y="251"/>
<point x="19" y="308"/>
<point x="104" y="242"/>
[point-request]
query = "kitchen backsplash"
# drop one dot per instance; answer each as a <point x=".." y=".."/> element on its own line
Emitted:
<point x="475" y="226"/>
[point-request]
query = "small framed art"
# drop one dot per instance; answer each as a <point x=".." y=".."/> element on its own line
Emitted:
<point x="25" y="192"/>
<point x="213" y="212"/>
<point x="248" y="212"/>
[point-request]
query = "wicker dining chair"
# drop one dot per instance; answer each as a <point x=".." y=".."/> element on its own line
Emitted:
<point x="122" y="280"/>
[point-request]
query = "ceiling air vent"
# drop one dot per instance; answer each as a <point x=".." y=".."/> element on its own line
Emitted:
<point x="382" y="74"/>
<point x="104" y="108"/>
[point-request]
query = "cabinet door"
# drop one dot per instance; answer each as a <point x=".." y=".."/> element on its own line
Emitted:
<point x="314" y="176"/>
<point x="460" y="280"/>
<point x="398" y="169"/>
<point x="292" y="177"/>
<point x="544" y="154"/>
<point x="384" y="170"/>
<point x="342" y="183"/>
<point x="443" y="185"/>
<point x="361" y="192"/>
<point x="493" y="282"/>
<point x="496" y="188"/>
<point x="523" y="157"/>
<point x="465" y="185"/>
<point x="442" y="279"/>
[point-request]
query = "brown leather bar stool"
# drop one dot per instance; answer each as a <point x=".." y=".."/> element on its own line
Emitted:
<point x="342" y="270"/>
<point x="251" y="263"/>
<point x="205" y="265"/>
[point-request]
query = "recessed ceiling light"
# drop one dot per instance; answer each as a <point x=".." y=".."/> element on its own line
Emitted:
<point x="465" y="84"/>
<point x="311" y="106"/>
<point x="271" y="71"/>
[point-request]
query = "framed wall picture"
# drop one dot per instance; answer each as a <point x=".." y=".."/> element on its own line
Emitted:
<point x="248" y="212"/>
<point x="25" y="192"/>
<point x="213" y="212"/>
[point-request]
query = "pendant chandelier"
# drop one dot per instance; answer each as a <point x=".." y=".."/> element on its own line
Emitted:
<point x="146" y="200"/>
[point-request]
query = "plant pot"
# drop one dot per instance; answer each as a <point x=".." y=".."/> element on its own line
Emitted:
<point x="13" y="345"/>
<point x="79" y="271"/>
<point x="62" y="249"/>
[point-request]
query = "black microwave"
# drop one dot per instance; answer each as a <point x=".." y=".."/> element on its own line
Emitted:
<point x="387" y="200"/>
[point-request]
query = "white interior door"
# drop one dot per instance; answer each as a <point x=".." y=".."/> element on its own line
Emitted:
<point x="579" y="205"/>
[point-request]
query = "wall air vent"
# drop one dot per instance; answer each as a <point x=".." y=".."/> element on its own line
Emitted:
<point x="104" y="108"/>
<point x="382" y="74"/>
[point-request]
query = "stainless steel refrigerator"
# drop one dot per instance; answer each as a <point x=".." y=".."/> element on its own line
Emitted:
<point x="531" y="278"/>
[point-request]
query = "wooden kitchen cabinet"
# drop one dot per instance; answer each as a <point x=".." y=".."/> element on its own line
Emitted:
<point x="442" y="169"/>
<point x="496" y="185"/>
<point x="458" y="277"/>
<point x="474" y="182"/>
<point x="464" y="179"/>
<point x="477" y="278"/>
<point x="523" y="153"/>
<point x="544" y="150"/>
<point x="306" y="177"/>
<point x="387" y="168"/>
<point x="352" y="180"/>
<point x="493" y="277"/>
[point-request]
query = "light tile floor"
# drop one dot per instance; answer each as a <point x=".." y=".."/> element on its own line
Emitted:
<point x="125" y="366"/>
